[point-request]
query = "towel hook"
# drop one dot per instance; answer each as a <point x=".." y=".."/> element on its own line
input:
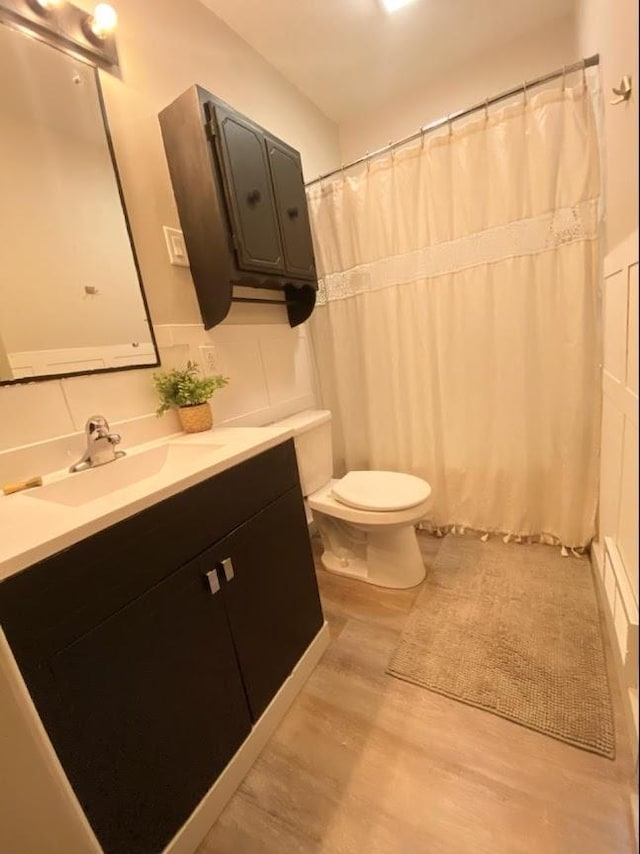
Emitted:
<point x="622" y="92"/>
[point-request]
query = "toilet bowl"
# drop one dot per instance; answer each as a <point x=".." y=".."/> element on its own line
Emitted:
<point x="366" y="519"/>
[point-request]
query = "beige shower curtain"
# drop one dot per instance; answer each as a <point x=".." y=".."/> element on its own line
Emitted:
<point x="456" y="331"/>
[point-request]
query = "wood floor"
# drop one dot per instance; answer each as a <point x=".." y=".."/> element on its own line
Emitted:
<point x="366" y="764"/>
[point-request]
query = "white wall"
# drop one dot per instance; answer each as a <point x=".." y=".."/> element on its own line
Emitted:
<point x="611" y="29"/>
<point x="165" y="47"/>
<point x="479" y="78"/>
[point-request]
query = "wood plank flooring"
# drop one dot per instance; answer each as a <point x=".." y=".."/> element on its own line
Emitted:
<point x="364" y="763"/>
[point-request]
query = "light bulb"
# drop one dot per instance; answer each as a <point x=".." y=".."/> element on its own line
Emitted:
<point x="103" y="21"/>
<point x="47" y="5"/>
<point x="391" y="6"/>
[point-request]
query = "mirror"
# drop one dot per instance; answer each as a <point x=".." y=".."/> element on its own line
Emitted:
<point x="71" y="299"/>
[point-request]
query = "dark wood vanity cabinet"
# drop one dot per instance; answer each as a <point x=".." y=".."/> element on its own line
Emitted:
<point x="242" y="206"/>
<point x="150" y="648"/>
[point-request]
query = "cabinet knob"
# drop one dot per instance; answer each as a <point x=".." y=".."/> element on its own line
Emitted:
<point x="227" y="568"/>
<point x="254" y="197"/>
<point x="213" y="581"/>
<point x="292" y="212"/>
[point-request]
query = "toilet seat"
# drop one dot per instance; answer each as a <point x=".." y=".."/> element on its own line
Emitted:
<point x="324" y="501"/>
<point x="380" y="491"/>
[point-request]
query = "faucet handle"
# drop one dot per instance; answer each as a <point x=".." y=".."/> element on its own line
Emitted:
<point x="96" y="424"/>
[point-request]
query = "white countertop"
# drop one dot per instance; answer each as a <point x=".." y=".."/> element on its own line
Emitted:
<point x="33" y="527"/>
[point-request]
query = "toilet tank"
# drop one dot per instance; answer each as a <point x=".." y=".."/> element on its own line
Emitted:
<point x="314" y="453"/>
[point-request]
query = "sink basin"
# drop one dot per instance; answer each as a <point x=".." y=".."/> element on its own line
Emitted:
<point x="83" y="487"/>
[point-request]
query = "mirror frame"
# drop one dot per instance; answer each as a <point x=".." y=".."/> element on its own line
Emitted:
<point x="114" y="163"/>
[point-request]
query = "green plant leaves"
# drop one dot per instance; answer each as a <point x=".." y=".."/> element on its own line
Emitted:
<point x="185" y="388"/>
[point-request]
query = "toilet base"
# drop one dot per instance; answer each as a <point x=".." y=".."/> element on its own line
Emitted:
<point x="387" y="558"/>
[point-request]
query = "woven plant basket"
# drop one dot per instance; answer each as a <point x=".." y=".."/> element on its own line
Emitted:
<point x="195" y="419"/>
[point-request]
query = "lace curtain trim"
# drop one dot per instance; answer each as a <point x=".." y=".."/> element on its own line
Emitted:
<point x="524" y="237"/>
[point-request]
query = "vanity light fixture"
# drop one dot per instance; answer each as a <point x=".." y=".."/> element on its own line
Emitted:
<point x="65" y="26"/>
<point x="391" y="6"/>
<point x="103" y="21"/>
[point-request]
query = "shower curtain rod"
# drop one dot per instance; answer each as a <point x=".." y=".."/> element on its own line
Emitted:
<point x="443" y="122"/>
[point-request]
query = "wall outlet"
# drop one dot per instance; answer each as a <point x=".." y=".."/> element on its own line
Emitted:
<point x="208" y="358"/>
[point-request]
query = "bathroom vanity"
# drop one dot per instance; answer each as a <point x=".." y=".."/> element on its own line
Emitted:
<point x="157" y="634"/>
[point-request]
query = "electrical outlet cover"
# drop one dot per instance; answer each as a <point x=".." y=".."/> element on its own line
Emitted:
<point x="208" y="358"/>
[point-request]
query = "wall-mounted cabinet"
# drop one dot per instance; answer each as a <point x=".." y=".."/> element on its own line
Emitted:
<point x="242" y="206"/>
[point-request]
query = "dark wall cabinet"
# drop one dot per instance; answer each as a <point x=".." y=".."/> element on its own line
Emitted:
<point x="242" y="206"/>
<point x="151" y="648"/>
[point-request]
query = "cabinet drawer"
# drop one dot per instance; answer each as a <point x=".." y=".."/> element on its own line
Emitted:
<point x="49" y="605"/>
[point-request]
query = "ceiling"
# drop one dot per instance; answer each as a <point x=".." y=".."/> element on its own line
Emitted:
<point x="349" y="55"/>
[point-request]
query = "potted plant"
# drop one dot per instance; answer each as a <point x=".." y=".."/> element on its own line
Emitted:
<point x="188" y="393"/>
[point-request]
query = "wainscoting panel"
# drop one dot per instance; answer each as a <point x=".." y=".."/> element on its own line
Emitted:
<point x="616" y="551"/>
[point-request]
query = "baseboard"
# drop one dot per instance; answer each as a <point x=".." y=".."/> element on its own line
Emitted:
<point x="204" y="816"/>
<point x="629" y="694"/>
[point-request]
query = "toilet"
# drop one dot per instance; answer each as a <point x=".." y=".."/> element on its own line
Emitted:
<point x="367" y="518"/>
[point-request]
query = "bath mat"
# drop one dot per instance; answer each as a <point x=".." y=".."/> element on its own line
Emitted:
<point x="512" y="629"/>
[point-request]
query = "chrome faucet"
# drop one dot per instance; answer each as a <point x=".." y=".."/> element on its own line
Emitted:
<point x="100" y="444"/>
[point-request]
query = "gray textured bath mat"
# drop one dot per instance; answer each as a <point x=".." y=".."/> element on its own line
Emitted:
<point x="512" y="629"/>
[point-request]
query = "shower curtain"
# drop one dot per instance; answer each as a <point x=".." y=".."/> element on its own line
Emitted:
<point x="457" y="329"/>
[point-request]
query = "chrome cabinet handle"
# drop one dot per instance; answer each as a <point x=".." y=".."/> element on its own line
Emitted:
<point x="214" y="581"/>
<point x="227" y="568"/>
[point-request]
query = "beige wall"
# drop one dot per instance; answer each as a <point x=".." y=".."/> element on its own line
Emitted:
<point x="164" y="47"/>
<point x="481" y="77"/>
<point x="5" y="367"/>
<point x="610" y="28"/>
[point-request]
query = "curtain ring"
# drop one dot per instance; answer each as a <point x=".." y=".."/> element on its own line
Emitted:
<point x="342" y="168"/>
<point x="423" y="137"/>
<point x="450" y="123"/>
<point x="368" y="161"/>
<point x="391" y="151"/>
<point x="584" y="74"/>
<point x="524" y="90"/>
<point x="486" y="109"/>
<point x="564" y="77"/>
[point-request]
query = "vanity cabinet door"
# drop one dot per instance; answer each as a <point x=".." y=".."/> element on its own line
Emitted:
<point x="151" y="708"/>
<point x="247" y="185"/>
<point x="291" y="204"/>
<point x="271" y="596"/>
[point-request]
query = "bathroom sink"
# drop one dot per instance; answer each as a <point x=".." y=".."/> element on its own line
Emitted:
<point x="92" y="484"/>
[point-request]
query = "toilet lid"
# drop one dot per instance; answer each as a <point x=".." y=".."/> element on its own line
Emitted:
<point x="381" y="490"/>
